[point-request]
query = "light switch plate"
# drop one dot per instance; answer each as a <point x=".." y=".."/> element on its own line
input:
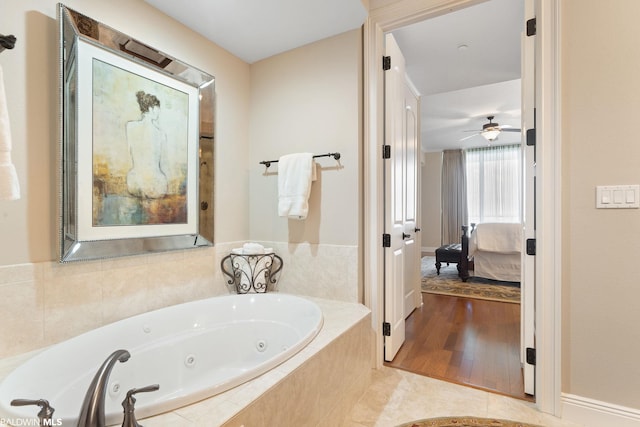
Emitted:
<point x="618" y="196"/>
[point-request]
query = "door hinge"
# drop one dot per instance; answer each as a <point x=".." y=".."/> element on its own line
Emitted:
<point x="531" y="246"/>
<point x="531" y="27"/>
<point x="531" y="137"/>
<point x="386" y="63"/>
<point x="386" y="240"/>
<point x="386" y="329"/>
<point x="386" y="151"/>
<point x="531" y="356"/>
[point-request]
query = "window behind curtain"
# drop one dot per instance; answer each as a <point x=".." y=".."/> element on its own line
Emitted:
<point x="494" y="184"/>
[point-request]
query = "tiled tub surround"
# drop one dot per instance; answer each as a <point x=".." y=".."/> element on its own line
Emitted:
<point x="45" y="303"/>
<point x="323" y="271"/>
<point x="317" y="386"/>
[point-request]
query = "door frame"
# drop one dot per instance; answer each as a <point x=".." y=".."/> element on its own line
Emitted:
<point x="528" y="262"/>
<point x="548" y="210"/>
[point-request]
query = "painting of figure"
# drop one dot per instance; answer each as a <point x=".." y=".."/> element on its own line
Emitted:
<point x="146" y="140"/>
<point x="140" y="155"/>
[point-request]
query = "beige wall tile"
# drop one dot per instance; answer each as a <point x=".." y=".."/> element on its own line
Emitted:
<point x="22" y="311"/>
<point x="20" y="273"/>
<point x="69" y="299"/>
<point x="72" y="305"/>
<point x="325" y="387"/>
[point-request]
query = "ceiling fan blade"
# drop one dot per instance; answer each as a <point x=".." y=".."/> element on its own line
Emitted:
<point x="470" y="136"/>
<point x="510" y="130"/>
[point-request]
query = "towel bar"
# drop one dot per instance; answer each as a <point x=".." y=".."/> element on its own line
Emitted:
<point x="7" y="42"/>
<point x="336" y="156"/>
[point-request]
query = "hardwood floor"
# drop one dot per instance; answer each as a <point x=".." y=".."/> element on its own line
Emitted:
<point x="466" y="341"/>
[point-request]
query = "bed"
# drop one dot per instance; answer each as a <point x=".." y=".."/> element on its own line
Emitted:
<point x="491" y="251"/>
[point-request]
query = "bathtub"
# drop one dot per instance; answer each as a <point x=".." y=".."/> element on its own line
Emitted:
<point x="193" y="351"/>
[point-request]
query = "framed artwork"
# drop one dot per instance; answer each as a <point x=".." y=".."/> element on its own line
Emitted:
<point x="136" y="146"/>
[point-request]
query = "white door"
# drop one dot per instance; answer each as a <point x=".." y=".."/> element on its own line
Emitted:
<point x="528" y="280"/>
<point x="400" y="200"/>
<point x="412" y="292"/>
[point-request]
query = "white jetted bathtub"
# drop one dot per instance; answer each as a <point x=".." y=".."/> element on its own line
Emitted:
<point x="193" y="351"/>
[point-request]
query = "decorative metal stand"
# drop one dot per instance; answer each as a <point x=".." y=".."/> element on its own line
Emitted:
<point x="251" y="272"/>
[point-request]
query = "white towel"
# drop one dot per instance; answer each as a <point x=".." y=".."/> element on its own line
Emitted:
<point x="252" y="248"/>
<point x="244" y="250"/>
<point x="295" y="174"/>
<point x="9" y="186"/>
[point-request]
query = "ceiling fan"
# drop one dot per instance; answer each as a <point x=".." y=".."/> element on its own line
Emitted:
<point x="491" y="130"/>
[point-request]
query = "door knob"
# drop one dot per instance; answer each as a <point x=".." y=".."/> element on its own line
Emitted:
<point x="405" y="236"/>
<point x="416" y="229"/>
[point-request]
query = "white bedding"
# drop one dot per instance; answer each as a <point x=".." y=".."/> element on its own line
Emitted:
<point x="497" y="266"/>
<point x="496" y="249"/>
<point x="498" y="237"/>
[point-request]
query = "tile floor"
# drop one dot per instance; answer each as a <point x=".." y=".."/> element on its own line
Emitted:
<point x="396" y="397"/>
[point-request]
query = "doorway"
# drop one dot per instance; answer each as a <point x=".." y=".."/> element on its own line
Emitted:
<point x="547" y="314"/>
<point x="453" y="61"/>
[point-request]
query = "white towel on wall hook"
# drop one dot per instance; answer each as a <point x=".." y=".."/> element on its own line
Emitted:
<point x="9" y="186"/>
<point x="295" y="174"/>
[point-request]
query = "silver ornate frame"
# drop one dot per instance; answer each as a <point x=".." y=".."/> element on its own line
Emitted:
<point x="73" y="29"/>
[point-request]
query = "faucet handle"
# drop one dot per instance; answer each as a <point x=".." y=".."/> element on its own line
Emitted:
<point x="46" y="411"/>
<point x="153" y="387"/>
<point x="129" y="405"/>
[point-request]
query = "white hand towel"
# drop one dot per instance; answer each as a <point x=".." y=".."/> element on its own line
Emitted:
<point x="295" y="174"/>
<point x="9" y="186"/>
<point x="252" y="249"/>
<point x="248" y="249"/>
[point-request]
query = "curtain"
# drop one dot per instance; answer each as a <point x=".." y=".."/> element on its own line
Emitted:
<point x="494" y="184"/>
<point x="454" y="195"/>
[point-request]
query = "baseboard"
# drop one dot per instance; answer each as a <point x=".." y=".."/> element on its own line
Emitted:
<point x="595" y="413"/>
<point x="428" y="249"/>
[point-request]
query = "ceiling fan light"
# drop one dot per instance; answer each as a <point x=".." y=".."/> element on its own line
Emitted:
<point x="490" y="135"/>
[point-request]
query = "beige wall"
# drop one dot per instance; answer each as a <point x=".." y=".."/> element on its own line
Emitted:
<point x="600" y="106"/>
<point x="28" y="226"/>
<point x="45" y="302"/>
<point x="308" y="100"/>
<point x="431" y="201"/>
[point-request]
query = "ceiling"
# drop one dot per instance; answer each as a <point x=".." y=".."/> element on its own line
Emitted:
<point x="466" y="66"/>
<point x="256" y="29"/>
